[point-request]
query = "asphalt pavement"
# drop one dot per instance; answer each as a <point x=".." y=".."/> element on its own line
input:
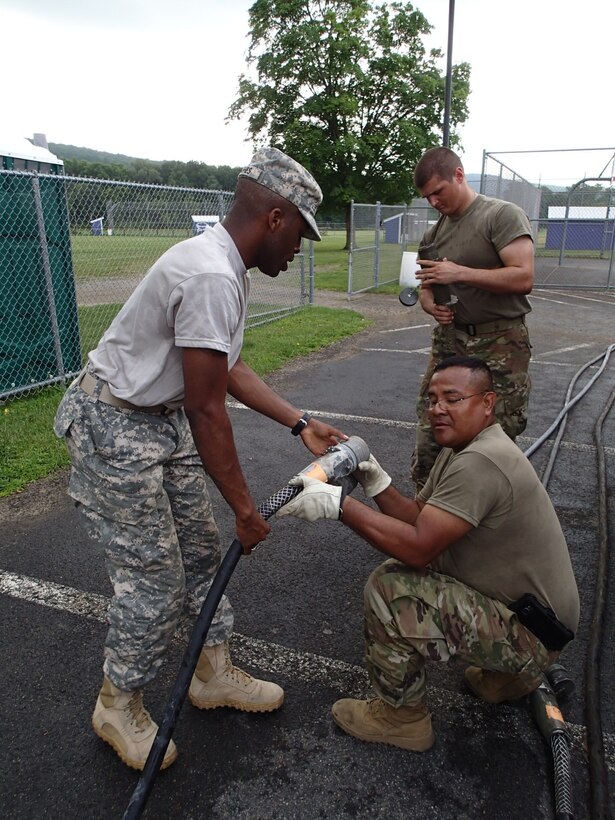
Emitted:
<point x="298" y="616"/>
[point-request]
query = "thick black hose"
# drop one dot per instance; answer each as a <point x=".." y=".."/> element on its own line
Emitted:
<point x="191" y="655"/>
<point x="560" y="748"/>
<point x="595" y="744"/>
<point x="597" y="764"/>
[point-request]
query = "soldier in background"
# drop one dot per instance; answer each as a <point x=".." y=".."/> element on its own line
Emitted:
<point x="486" y="261"/>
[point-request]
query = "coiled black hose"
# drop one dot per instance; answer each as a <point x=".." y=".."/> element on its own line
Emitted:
<point x="597" y="764"/>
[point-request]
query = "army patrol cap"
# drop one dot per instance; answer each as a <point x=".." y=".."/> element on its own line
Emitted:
<point x="285" y="176"/>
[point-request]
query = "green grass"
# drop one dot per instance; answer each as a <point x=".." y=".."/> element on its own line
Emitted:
<point x="269" y="347"/>
<point x="131" y="256"/>
<point x="29" y="450"/>
<point x="117" y="256"/>
<point x="93" y="321"/>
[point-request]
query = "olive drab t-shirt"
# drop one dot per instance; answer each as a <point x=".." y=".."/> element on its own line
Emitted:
<point x="516" y="544"/>
<point x="474" y="239"/>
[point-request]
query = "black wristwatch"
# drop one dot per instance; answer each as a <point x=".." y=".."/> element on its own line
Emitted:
<point x="301" y="424"/>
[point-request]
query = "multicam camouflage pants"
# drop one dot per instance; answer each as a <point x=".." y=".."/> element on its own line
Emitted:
<point x="416" y="615"/>
<point x="140" y="486"/>
<point x="508" y="355"/>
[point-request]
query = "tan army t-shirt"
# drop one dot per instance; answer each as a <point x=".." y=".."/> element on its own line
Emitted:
<point x="475" y="239"/>
<point x="517" y="544"/>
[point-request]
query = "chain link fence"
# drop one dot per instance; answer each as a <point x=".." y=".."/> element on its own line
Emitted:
<point x="72" y="250"/>
<point x="572" y="217"/>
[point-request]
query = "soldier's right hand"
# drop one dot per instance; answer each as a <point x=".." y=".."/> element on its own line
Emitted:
<point x="251" y="530"/>
<point x="372" y="477"/>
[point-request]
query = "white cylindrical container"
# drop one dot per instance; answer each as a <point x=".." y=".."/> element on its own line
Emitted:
<point x="409" y="267"/>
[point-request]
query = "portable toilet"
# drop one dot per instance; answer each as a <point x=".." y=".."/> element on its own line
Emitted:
<point x="39" y="328"/>
<point x="96" y="226"/>
<point x="199" y="223"/>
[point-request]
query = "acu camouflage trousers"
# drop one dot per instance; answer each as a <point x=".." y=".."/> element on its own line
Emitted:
<point x="507" y="353"/>
<point x="416" y="615"/>
<point x="141" y="490"/>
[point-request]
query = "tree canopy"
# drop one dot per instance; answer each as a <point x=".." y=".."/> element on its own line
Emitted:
<point x="88" y="162"/>
<point x="347" y="88"/>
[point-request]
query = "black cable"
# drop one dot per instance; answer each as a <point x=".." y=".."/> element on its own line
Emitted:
<point x="597" y="764"/>
<point x="595" y="743"/>
<point x="177" y="697"/>
<point x="569" y="405"/>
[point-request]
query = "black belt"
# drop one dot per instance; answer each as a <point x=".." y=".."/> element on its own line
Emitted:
<point x="490" y="327"/>
<point x="88" y="383"/>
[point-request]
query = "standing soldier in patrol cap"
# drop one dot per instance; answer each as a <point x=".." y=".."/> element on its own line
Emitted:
<point x="486" y="260"/>
<point x="146" y="421"/>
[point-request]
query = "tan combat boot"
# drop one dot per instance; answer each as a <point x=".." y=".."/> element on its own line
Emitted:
<point x="121" y="720"/>
<point x="216" y="682"/>
<point x="408" y="727"/>
<point x="496" y="687"/>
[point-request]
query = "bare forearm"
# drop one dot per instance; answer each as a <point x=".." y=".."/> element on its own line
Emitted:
<point x="516" y="275"/>
<point x="393" y="537"/>
<point x="392" y="503"/>
<point x="511" y="279"/>
<point x="248" y="388"/>
<point x="251" y="390"/>
<point x="213" y="436"/>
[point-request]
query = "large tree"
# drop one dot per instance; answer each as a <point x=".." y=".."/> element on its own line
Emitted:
<point x="347" y="88"/>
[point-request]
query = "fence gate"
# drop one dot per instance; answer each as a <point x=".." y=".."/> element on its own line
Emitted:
<point x="378" y="236"/>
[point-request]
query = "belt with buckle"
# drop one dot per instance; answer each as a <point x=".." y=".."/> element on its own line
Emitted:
<point x="88" y="383"/>
<point x="490" y="327"/>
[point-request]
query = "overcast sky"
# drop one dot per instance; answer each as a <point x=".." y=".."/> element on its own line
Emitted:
<point x="155" y="78"/>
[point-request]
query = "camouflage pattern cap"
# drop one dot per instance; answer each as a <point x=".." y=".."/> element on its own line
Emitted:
<point x="285" y="176"/>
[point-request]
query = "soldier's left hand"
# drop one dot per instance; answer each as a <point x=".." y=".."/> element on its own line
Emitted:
<point x="319" y="436"/>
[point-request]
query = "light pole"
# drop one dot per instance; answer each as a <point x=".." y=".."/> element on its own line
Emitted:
<point x="449" y="79"/>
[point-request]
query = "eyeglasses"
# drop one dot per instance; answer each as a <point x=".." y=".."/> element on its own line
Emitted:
<point x="449" y="402"/>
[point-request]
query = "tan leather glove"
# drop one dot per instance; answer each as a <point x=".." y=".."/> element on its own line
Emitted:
<point x="316" y="501"/>
<point x="372" y="477"/>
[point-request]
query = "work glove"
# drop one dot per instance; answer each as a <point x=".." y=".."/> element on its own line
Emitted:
<point x="317" y="500"/>
<point x="372" y="477"/>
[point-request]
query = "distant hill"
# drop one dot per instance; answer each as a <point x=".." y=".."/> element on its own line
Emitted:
<point x="89" y="154"/>
<point x="89" y="162"/>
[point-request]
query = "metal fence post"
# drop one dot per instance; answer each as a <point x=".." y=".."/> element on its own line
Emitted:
<point x="610" y="273"/>
<point x="51" y="302"/>
<point x="312" y="271"/>
<point x="351" y="249"/>
<point x="376" y="244"/>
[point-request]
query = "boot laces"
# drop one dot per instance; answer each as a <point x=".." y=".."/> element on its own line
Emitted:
<point x="374" y="706"/>
<point x="137" y="713"/>
<point x="237" y="676"/>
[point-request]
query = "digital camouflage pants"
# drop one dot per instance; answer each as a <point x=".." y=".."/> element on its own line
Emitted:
<point x="140" y="487"/>
<point x="416" y="615"/>
<point x="507" y="353"/>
